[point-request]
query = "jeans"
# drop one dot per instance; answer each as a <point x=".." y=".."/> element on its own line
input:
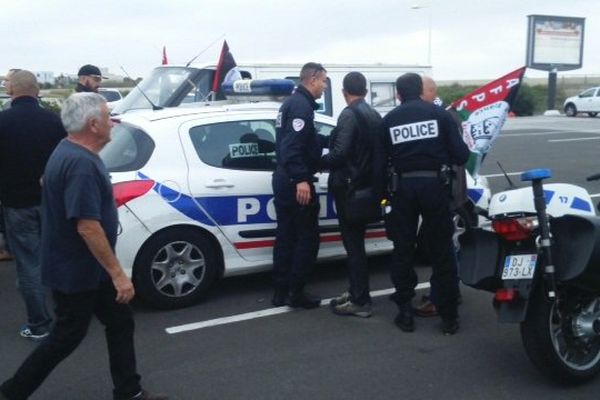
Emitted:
<point x="73" y="316"/>
<point x="23" y="232"/>
<point x="353" y="237"/>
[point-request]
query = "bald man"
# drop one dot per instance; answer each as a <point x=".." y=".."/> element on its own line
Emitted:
<point x="28" y="135"/>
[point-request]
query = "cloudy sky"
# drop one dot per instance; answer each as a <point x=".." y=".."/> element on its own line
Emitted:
<point x="469" y="39"/>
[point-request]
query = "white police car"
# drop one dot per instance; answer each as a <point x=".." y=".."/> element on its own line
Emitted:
<point x="193" y="189"/>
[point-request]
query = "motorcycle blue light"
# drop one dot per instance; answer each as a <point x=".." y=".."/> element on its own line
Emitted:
<point x="533" y="174"/>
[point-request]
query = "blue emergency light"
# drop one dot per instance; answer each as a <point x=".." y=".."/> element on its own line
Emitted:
<point x="255" y="89"/>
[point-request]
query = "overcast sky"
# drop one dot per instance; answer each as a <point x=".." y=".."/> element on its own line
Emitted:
<point x="469" y="39"/>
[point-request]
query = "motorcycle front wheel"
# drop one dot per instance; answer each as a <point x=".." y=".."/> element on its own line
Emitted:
<point x="560" y="337"/>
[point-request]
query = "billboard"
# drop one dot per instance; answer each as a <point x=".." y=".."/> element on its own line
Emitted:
<point x="554" y="42"/>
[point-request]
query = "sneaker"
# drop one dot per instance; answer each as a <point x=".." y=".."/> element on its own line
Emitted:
<point x="144" y="395"/>
<point x="27" y="333"/>
<point x="350" y="308"/>
<point x="404" y="320"/>
<point x="341" y="299"/>
<point x="426" y="309"/>
<point x="303" y="299"/>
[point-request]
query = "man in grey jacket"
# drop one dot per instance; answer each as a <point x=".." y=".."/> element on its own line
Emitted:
<point x="350" y="162"/>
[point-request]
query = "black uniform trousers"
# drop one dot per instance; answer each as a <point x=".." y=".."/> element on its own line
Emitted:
<point x="428" y="198"/>
<point x="296" y="237"/>
<point x="353" y="237"/>
<point x="73" y="316"/>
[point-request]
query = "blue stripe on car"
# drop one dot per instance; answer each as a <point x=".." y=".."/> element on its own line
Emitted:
<point x="580" y="204"/>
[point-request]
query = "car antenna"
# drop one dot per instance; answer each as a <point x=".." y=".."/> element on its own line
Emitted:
<point x="137" y="85"/>
<point x="208" y="47"/>
<point x="511" y="185"/>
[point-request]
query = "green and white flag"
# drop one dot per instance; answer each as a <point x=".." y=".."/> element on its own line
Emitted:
<point x="483" y="113"/>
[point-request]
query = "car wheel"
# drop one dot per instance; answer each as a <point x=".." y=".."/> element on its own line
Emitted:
<point x="570" y="110"/>
<point x="592" y="114"/>
<point x="175" y="268"/>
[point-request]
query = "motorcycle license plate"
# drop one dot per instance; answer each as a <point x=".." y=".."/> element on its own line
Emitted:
<point x="519" y="266"/>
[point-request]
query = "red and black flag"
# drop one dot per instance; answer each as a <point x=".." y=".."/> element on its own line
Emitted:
<point x="165" y="61"/>
<point x="226" y="68"/>
<point x="483" y="113"/>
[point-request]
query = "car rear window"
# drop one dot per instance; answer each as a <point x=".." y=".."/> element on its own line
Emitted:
<point x="130" y="149"/>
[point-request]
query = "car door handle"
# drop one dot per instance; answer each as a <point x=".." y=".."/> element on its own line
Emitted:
<point x="219" y="183"/>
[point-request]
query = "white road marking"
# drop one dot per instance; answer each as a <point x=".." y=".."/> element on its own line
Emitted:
<point x="595" y="195"/>
<point x="573" y="139"/>
<point x="502" y="175"/>
<point x="263" y="313"/>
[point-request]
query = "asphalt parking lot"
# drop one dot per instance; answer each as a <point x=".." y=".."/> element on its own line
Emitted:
<point x="262" y="353"/>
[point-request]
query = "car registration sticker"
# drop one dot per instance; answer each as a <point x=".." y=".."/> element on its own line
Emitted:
<point x="519" y="266"/>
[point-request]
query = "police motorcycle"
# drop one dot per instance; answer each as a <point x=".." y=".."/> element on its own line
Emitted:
<point x="542" y="262"/>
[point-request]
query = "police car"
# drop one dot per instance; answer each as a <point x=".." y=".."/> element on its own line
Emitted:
<point x="193" y="190"/>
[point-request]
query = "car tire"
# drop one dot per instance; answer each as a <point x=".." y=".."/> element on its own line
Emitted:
<point x="592" y="114"/>
<point x="175" y="268"/>
<point x="570" y="110"/>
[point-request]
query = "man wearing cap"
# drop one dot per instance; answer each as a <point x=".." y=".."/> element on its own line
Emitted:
<point x="89" y="78"/>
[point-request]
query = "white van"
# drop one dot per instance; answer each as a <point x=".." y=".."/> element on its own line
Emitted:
<point x="172" y="86"/>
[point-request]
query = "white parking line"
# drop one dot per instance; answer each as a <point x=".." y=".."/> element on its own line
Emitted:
<point x="502" y="175"/>
<point x="573" y="139"/>
<point x="263" y="313"/>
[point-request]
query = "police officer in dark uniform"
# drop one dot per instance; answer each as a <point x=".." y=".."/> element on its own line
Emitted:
<point x="298" y="148"/>
<point x="421" y="141"/>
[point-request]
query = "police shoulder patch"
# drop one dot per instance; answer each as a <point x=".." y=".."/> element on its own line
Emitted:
<point x="298" y="124"/>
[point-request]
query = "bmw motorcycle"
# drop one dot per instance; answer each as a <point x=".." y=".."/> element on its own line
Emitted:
<point x="541" y="259"/>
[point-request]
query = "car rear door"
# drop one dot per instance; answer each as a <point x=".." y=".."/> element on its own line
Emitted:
<point x="231" y="160"/>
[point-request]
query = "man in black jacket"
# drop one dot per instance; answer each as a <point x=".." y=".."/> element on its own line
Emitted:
<point x="298" y="148"/>
<point x="350" y="163"/>
<point x="90" y="78"/>
<point x="28" y="135"/>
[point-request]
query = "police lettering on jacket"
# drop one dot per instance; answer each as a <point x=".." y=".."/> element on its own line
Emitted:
<point x="422" y="136"/>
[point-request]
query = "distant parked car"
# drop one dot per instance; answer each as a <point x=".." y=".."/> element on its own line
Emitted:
<point x="587" y="101"/>
<point x="113" y="96"/>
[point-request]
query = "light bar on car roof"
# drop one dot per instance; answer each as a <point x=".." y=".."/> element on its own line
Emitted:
<point x="258" y="89"/>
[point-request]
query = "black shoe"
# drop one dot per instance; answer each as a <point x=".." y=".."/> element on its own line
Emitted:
<point x="279" y="297"/>
<point x="449" y="326"/>
<point x="144" y="395"/>
<point x="405" y="320"/>
<point x="303" y="299"/>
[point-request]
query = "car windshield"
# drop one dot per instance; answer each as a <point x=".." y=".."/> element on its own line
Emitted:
<point x="168" y="87"/>
<point x="110" y="95"/>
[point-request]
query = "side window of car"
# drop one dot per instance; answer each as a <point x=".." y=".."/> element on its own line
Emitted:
<point x="588" y="93"/>
<point x="325" y="130"/>
<point x="243" y="145"/>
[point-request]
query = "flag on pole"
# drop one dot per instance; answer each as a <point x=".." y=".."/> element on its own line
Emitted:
<point x="165" y="61"/>
<point x="226" y="69"/>
<point x="483" y="113"/>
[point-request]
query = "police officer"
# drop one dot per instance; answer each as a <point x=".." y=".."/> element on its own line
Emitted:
<point x="298" y="149"/>
<point x="421" y="140"/>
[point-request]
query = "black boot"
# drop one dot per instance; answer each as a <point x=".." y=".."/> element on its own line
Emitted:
<point x="302" y="299"/>
<point x="449" y="326"/>
<point x="279" y="297"/>
<point x="404" y="320"/>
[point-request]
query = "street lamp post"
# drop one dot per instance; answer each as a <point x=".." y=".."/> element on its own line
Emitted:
<point x="420" y="7"/>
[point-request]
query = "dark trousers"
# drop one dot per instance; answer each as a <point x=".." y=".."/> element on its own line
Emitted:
<point x="353" y="237"/>
<point x="73" y="315"/>
<point x="428" y="198"/>
<point x="296" y="237"/>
